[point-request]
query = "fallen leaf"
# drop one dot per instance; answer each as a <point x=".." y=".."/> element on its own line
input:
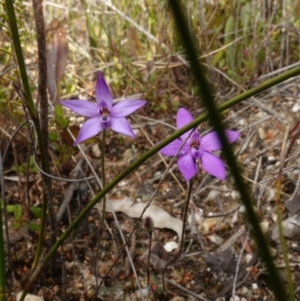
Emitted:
<point x="29" y="297"/>
<point x="160" y="217"/>
<point x="57" y="53"/>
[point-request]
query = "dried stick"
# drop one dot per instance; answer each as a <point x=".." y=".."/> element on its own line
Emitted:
<point x="43" y="101"/>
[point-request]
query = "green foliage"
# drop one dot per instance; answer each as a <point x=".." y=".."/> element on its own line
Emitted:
<point x="61" y="121"/>
<point x="28" y="167"/>
<point x="17" y="212"/>
<point x="37" y="212"/>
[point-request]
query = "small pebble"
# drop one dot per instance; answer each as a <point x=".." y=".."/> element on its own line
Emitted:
<point x="244" y="290"/>
<point x="296" y="107"/>
<point x="216" y="239"/>
<point x="170" y="246"/>
<point x="242" y="209"/>
<point x="261" y="133"/>
<point x="248" y="259"/>
<point x="29" y="297"/>
<point x="254" y="286"/>
<point x="264" y="226"/>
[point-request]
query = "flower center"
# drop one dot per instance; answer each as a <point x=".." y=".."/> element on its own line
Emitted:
<point x="105" y="115"/>
<point x="195" y="142"/>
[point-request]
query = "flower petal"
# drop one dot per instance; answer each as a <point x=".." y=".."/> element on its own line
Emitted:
<point x="102" y="91"/>
<point x="89" y="129"/>
<point x="213" y="165"/>
<point x="121" y="126"/>
<point x="211" y="142"/>
<point x="82" y="107"/>
<point x="187" y="166"/>
<point x="183" y="118"/>
<point x="126" y="107"/>
<point x="232" y="135"/>
<point x="172" y="148"/>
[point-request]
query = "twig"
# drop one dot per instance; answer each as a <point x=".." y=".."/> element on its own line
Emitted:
<point x="198" y="297"/>
<point x="238" y="264"/>
<point x="70" y="192"/>
<point x="43" y="122"/>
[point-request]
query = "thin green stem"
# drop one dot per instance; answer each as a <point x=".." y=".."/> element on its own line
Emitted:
<point x="104" y="201"/>
<point x="28" y="101"/>
<point x="186" y="207"/>
<point x="208" y="100"/>
<point x="20" y="59"/>
<point x="103" y="176"/>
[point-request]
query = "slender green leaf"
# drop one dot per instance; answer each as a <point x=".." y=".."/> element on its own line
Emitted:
<point x="36" y="211"/>
<point x="18" y="212"/>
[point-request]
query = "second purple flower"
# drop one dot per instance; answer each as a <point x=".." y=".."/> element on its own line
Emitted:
<point x="197" y="149"/>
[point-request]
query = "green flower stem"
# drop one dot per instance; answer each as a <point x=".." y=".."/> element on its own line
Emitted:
<point x="103" y="180"/>
<point x="20" y="59"/>
<point x="224" y="106"/>
<point x="208" y="100"/>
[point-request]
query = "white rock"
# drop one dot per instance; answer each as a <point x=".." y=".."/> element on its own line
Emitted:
<point x="144" y="291"/>
<point x="261" y="133"/>
<point x="216" y="239"/>
<point x="248" y="257"/>
<point x="29" y="297"/>
<point x="271" y="195"/>
<point x="244" y="291"/>
<point x="212" y="195"/>
<point x="264" y="226"/>
<point x="296" y="107"/>
<point x="242" y="122"/>
<point x="271" y="158"/>
<point x="242" y="209"/>
<point x="254" y="286"/>
<point x="96" y="150"/>
<point x="233" y="194"/>
<point x="170" y="246"/>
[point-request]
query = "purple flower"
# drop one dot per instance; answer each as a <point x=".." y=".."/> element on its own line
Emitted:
<point x="103" y="115"/>
<point x="197" y="149"/>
